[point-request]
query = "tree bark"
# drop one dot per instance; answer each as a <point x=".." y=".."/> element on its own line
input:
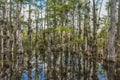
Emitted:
<point x="86" y="24"/>
<point x="118" y="33"/>
<point x="29" y="52"/>
<point x="111" y="42"/>
<point x="118" y="27"/>
<point x="94" y="28"/>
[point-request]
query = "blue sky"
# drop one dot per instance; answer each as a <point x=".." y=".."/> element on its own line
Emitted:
<point x="39" y="2"/>
<point x="102" y="13"/>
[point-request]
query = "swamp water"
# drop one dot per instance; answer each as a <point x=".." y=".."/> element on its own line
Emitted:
<point x="65" y="67"/>
<point x="85" y="69"/>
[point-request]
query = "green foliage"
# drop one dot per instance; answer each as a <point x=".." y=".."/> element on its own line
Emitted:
<point x="49" y="30"/>
<point x="102" y="35"/>
<point x="79" y="40"/>
<point x="25" y="35"/>
<point x="60" y="29"/>
<point x="2" y="1"/>
<point x="30" y="10"/>
<point x="64" y="28"/>
<point x="23" y="22"/>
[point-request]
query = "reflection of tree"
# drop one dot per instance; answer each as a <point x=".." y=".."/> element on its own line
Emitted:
<point x="94" y="75"/>
<point x="117" y="70"/>
<point x="110" y="67"/>
<point x="88" y="65"/>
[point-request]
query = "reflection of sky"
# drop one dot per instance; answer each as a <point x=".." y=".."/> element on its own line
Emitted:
<point x="101" y="73"/>
<point x="33" y="74"/>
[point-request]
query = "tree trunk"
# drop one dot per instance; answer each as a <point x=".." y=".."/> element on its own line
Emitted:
<point x="79" y="19"/>
<point x="19" y="46"/>
<point x="36" y="44"/>
<point x="118" y="33"/>
<point x="118" y="27"/>
<point x="94" y="28"/>
<point x="29" y="52"/>
<point x="111" y="42"/>
<point x="86" y="24"/>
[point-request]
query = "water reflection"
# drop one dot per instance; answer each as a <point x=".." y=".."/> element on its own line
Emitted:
<point x="78" y="69"/>
<point x="112" y="70"/>
<point x="65" y="67"/>
<point x="41" y="73"/>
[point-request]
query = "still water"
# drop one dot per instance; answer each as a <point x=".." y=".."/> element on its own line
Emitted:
<point x="85" y="69"/>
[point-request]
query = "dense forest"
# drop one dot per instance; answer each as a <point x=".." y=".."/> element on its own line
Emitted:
<point x="59" y="40"/>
